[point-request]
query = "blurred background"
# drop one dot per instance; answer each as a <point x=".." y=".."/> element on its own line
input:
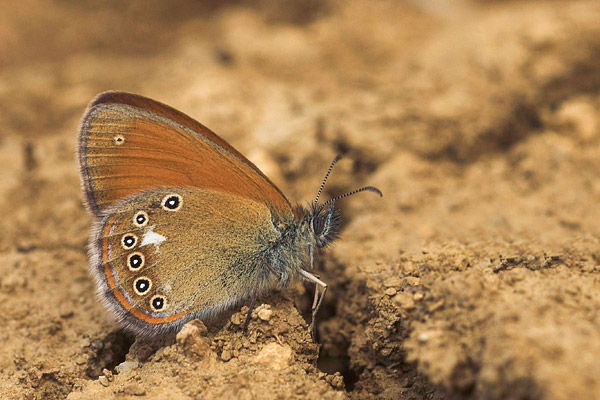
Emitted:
<point x="475" y="277"/>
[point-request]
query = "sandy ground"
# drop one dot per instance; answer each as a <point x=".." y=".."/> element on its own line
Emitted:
<point x="476" y="276"/>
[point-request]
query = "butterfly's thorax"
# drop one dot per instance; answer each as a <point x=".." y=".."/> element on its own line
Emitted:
<point x="289" y="252"/>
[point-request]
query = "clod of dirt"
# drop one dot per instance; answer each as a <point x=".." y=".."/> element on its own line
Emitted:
<point x="274" y="356"/>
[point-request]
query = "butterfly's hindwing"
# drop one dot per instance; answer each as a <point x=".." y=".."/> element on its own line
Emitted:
<point x="172" y="254"/>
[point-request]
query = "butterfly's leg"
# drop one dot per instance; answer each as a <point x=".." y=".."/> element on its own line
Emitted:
<point x="316" y="303"/>
<point x="315" y="310"/>
<point x="317" y="285"/>
<point x="316" y="298"/>
<point x="249" y="314"/>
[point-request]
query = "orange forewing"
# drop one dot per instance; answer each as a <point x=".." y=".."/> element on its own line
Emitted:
<point x="129" y="143"/>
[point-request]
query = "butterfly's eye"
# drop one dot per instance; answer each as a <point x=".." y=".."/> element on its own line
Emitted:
<point x="318" y="224"/>
<point x="142" y="285"/>
<point x="135" y="261"/>
<point x="158" y="303"/>
<point x="140" y="219"/>
<point x="171" y="202"/>
<point x="326" y="227"/>
<point x="128" y="241"/>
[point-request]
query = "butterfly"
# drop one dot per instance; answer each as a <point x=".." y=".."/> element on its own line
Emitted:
<point x="185" y="226"/>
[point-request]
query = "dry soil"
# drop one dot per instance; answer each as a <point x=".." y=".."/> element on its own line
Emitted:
<point x="476" y="276"/>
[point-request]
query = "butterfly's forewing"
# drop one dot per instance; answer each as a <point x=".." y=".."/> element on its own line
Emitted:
<point x="129" y="143"/>
<point x="192" y="261"/>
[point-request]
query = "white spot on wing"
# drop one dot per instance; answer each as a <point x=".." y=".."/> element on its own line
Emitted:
<point x="151" y="237"/>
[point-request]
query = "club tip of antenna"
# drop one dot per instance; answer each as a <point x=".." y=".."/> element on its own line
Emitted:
<point x="374" y="190"/>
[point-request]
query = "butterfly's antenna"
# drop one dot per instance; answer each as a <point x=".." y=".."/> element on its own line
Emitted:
<point x="362" y="189"/>
<point x="335" y="160"/>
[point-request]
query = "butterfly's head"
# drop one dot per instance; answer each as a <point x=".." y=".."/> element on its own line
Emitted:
<point x="324" y="219"/>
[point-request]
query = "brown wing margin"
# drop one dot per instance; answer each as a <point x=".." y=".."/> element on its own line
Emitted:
<point x="164" y="111"/>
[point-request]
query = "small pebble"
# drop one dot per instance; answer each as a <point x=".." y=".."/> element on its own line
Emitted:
<point x="108" y="374"/>
<point x="404" y="300"/>
<point x="409" y="268"/>
<point x="275" y="356"/>
<point x="427" y="335"/>
<point x="81" y="359"/>
<point x="418" y="296"/>
<point x="65" y="311"/>
<point x="134" y="389"/>
<point x="386" y="351"/>
<point x="336" y="380"/>
<point x="588" y="267"/>
<point x="393" y="281"/>
<point x="226" y="355"/>
<point x="253" y="336"/>
<point x="413" y="280"/>
<point x="238" y="318"/>
<point x="390" y="291"/>
<point x="265" y="314"/>
<point x="103" y="380"/>
<point x="436" y="306"/>
<point x="193" y="337"/>
<point x="126" y="366"/>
